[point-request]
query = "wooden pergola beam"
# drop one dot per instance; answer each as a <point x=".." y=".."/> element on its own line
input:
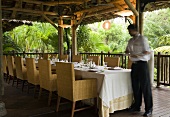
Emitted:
<point x="161" y="0"/>
<point x="132" y="7"/>
<point x="81" y="19"/>
<point x="17" y="4"/>
<point x="99" y="7"/>
<point x="101" y="12"/>
<point x="51" y="22"/>
<point x="54" y="3"/>
<point x="107" y="10"/>
<point x="31" y="11"/>
<point x="119" y="7"/>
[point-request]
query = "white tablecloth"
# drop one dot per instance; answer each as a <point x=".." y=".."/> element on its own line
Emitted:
<point x="112" y="85"/>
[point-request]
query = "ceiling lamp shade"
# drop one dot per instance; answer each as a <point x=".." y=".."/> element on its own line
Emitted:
<point x="65" y="23"/>
<point x="106" y="25"/>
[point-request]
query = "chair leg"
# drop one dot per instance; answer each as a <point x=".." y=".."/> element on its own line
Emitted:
<point x="17" y="82"/>
<point x="40" y="91"/>
<point x="49" y="98"/>
<point x="14" y="78"/>
<point x="73" y="107"/>
<point x="23" y="82"/>
<point x="58" y="103"/>
<point x="5" y="77"/>
<point x="9" y="79"/>
<point x="35" y="89"/>
<point x="95" y="105"/>
<point x="28" y="87"/>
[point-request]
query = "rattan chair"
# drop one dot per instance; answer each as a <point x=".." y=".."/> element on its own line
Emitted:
<point x="32" y="74"/>
<point x="45" y="56"/>
<point x="95" y="59"/>
<point x="63" y="57"/>
<point x="129" y="64"/>
<point x="76" y="58"/>
<point x="11" y="69"/>
<point x="53" y="56"/>
<point x="21" y="71"/>
<point x="112" y="61"/>
<point x="71" y="89"/>
<point x="48" y="81"/>
<point x="5" y="67"/>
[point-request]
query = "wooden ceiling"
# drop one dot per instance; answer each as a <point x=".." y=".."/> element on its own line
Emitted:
<point x="83" y="11"/>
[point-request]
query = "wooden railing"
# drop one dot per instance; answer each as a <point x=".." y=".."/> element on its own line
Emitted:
<point x="161" y="63"/>
<point x="24" y="54"/>
<point x="123" y="58"/>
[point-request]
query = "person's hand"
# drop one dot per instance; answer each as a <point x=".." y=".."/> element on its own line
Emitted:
<point x="134" y="56"/>
<point x="146" y="52"/>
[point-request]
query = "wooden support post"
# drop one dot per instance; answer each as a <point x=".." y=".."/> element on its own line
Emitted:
<point x="158" y="70"/>
<point x="2" y="104"/>
<point x="74" y="38"/>
<point x="60" y="39"/>
<point x="141" y="18"/>
<point x="137" y="17"/>
<point x="1" y="60"/>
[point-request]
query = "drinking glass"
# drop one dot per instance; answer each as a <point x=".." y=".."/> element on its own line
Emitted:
<point x="81" y="62"/>
<point x="105" y="65"/>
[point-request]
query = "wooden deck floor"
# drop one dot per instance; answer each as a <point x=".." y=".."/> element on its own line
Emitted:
<point x="21" y="104"/>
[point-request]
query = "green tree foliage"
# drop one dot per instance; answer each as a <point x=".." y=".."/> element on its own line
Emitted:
<point x="9" y="44"/>
<point x="164" y="40"/>
<point x="114" y="39"/>
<point x="67" y="39"/>
<point x="40" y="36"/>
<point x="157" y="28"/>
<point x="83" y="39"/>
<point x="163" y="49"/>
<point x="53" y="41"/>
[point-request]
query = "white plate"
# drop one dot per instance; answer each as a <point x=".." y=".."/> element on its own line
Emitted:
<point x="117" y="68"/>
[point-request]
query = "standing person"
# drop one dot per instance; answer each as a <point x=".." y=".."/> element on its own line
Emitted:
<point x="139" y="52"/>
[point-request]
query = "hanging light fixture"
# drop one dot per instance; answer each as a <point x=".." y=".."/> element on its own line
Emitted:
<point x="106" y="25"/>
<point x="65" y="21"/>
<point x="64" y="24"/>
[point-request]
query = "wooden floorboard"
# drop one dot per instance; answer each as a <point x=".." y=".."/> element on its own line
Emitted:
<point x="21" y="104"/>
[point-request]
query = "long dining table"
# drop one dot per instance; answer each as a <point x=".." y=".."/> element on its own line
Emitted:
<point x="114" y="88"/>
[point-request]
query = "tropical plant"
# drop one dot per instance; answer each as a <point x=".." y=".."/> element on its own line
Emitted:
<point x="156" y="28"/>
<point x="163" y="49"/>
<point x="83" y="37"/>
<point x="114" y="39"/>
<point x="39" y="37"/>
<point x="9" y="44"/>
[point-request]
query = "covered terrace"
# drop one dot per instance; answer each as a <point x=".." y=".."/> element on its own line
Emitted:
<point x="72" y="13"/>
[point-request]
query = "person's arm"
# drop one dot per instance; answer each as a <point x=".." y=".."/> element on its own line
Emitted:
<point x="127" y="51"/>
<point x="146" y="48"/>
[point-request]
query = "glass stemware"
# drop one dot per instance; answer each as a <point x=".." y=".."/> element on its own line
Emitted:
<point x="105" y="65"/>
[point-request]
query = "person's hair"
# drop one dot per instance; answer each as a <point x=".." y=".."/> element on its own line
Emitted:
<point x="131" y="26"/>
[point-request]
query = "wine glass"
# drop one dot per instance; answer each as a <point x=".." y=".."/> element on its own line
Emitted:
<point x="105" y="65"/>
